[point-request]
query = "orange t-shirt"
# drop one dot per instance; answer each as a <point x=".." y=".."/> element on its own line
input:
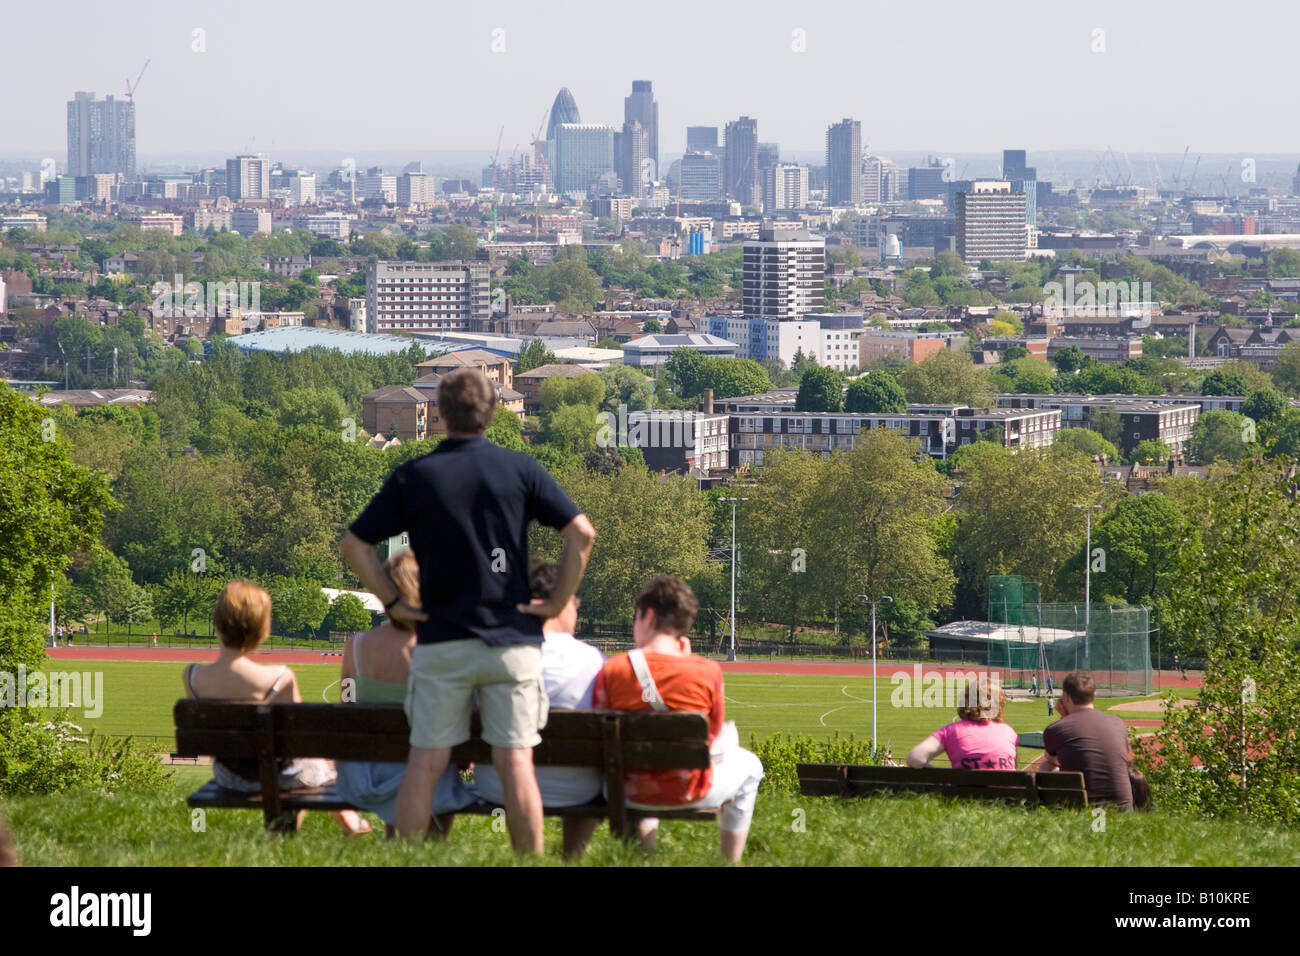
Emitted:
<point x="685" y="683"/>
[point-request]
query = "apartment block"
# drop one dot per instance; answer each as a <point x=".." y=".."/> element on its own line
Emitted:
<point x="991" y="223"/>
<point x="428" y="296"/>
<point x="784" y="272"/>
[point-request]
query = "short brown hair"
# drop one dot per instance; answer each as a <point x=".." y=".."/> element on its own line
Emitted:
<point x="982" y="701"/>
<point x="404" y="571"/>
<point x="242" y="616"/>
<point x="673" y="602"/>
<point x="466" y="400"/>
<point x="1079" y="685"/>
<point x="542" y="579"/>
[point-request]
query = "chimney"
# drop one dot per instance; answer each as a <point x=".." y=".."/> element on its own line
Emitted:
<point x="706" y="401"/>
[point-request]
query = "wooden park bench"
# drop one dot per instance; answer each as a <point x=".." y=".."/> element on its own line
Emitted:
<point x="611" y="741"/>
<point x="1028" y="786"/>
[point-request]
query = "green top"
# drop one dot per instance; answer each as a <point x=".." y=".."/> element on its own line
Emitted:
<point x="371" y="691"/>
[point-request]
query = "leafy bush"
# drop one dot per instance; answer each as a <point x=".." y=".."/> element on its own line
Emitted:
<point x="51" y="756"/>
<point x="780" y="754"/>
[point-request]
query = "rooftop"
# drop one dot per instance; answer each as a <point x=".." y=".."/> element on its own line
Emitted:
<point x="300" y="338"/>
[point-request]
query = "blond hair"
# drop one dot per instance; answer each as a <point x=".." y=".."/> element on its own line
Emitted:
<point x="242" y="617"/>
<point x="404" y="571"/>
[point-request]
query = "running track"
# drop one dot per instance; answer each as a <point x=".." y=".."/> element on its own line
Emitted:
<point x="782" y="667"/>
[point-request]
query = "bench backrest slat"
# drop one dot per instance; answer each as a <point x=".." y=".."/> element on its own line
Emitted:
<point x="230" y="730"/>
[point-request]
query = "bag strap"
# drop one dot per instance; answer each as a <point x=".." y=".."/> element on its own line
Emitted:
<point x="649" y="690"/>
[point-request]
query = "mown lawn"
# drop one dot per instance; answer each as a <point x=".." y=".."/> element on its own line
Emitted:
<point x="789" y="830"/>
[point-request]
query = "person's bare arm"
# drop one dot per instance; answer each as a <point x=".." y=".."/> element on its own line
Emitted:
<point x="924" y="752"/>
<point x="579" y="536"/>
<point x="361" y="558"/>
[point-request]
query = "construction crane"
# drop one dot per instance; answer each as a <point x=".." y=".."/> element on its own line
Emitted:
<point x="132" y="87"/>
<point x="495" y="160"/>
<point x="1178" y="179"/>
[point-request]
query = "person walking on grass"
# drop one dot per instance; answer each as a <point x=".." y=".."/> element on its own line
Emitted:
<point x="467" y="507"/>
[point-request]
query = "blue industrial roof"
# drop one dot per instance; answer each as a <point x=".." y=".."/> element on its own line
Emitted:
<point x="299" y="338"/>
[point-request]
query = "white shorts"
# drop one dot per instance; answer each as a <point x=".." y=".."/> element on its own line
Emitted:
<point x="736" y="776"/>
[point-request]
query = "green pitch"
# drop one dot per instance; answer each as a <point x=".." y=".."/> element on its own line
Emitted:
<point x="138" y="700"/>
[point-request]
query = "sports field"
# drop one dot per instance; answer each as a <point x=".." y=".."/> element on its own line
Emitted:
<point x="138" y="697"/>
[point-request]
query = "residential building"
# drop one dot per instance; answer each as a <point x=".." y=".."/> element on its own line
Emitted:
<point x="844" y="163"/>
<point x="784" y="272"/>
<point x="991" y="223"/>
<point x="416" y="189"/>
<point x="1098" y="348"/>
<point x="903" y="345"/>
<point x="686" y="442"/>
<point x="171" y="223"/>
<point x="302" y="189"/>
<point x="740" y="181"/>
<point x="753" y="433"/>
<point x="96" y="187"/>
<point x="327" y="225"/>
<point x="497" y="368"/>
<point x="785" y="186"/>
<point x="1167" y="418"/>
<point x="447" y="296"/>
<point x="880" y="180"/>
<point x="101" y="136"/>
<point x="27" y="220"/>
<point x="376" y="185"/>
<point x="248" y="177"/>
<point x="248" y="221"/>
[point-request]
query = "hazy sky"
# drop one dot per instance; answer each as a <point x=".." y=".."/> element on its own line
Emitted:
<point x="409" y="75"/>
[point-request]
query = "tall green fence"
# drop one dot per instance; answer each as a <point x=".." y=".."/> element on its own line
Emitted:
<point x="1031" y="639"/>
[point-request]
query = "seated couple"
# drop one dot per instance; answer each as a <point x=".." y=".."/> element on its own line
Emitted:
<point x="575" y="677"/>
<point x="242" y="619"/>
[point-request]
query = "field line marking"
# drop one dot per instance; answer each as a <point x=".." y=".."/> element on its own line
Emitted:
<point x="845" y="691"/>
<point x="326" y="691"/>
<point x="822" y="719"/>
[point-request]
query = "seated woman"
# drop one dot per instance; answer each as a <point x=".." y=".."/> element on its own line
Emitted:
<point x="979" y="739"/>
<point x="376" y="666"/>
<point x="242" y="620"/>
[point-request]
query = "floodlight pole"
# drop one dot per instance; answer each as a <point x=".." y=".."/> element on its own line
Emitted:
<point x="731" y="654"/>
<point x="1087" y="585"/>
<point x="866" y="600"/>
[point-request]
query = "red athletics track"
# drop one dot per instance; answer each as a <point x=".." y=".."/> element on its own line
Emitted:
<point x="885" y="671"/>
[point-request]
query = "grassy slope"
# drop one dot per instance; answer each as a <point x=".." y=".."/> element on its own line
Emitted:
<point x="155" y="829"/>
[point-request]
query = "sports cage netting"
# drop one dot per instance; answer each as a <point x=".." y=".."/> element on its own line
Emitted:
<point x="1030" y="639"/>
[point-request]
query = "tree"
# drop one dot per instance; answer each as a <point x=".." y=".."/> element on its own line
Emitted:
<point x="347" y="614"/>
<point x="107" y="581"/>
<point x="948" y="263"/>
<point x="534" y="355"/>
<point x="1018" y="515"/>
<point x="1265" y="405"/>
<point x="609" y="343"/>
<point x="1235" y="377"/>
<point x="1151" y="451"/>
<point x="1087" y="442"/>
<point x="184" y="593"/>
<point x="730" y="377"/>
<point x="946" y="377"/>
<point x="626" y="386"/>
<point x="1236" y="606"/>
<point x="1107" y="423"/>
<point x="1071" y="359"/>
<point x="298" y="606"/>
<point x="877" y="392"/>
<point x="573" y="428"/>
<point x="1220" y="435"/>
<point x="651" y="327"/>
<point x="1099" y="378"/>
<point x="579" y="390"/>
<point x="684" y="370"/>
<point x="1286" y="370"/>
<point x="820" y="390"/>
<point x="1141" y="542"/>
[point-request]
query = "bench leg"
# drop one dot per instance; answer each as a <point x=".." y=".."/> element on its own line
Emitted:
<point x="285" y="822"/>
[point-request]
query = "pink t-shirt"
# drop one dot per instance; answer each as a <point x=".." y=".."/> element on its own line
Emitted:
<point x="974" y="746"/>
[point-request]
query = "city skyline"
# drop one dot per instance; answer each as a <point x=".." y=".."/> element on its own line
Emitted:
<point x="1060" y="83"/>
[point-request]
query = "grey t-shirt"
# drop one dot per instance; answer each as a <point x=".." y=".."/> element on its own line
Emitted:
<point x="1095" y="744"/>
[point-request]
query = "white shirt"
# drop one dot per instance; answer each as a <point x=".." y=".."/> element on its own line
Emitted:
<point x="569" y="670"/>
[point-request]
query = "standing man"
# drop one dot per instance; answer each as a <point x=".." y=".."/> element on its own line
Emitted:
<point x="467" y="507"/>
<point x="1091" y="742"/>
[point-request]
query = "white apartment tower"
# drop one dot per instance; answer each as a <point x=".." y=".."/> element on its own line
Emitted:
<point x="248" y="177"/>
<point x="785" y="186"/>
<point x="991" y="223"/>
<point x="784" y="274"/>
<point x="448" y="296"/>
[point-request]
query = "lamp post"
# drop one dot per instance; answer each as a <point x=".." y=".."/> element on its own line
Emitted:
<point x="65" y="366"/>
<point x="866" y="600"/>
<point x="731" y="654"/>
<point x="1087" y="584"/>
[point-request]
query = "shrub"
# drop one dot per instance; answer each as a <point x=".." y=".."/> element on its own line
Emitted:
<point x="51" y="756"/>
<point x="780" y="754"/>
